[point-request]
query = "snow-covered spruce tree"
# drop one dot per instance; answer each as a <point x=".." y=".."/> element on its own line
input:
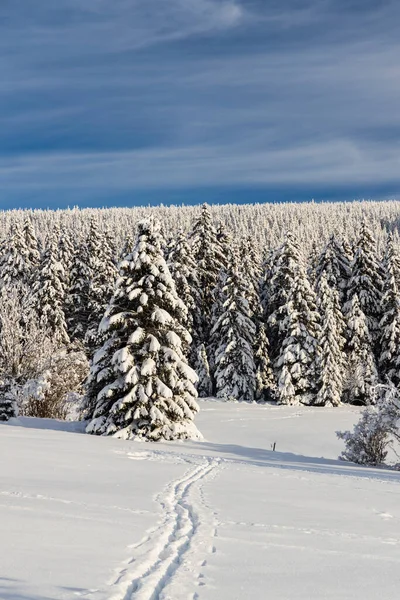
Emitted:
<point x="362" y="373"/>
<point x="48" y="294"/>
<point x="332" y="361"/>
<point x="184" y="273"/>
<point x="102" y="276"/>
<point x="250" y="266"/>
<point x="283" y="269"/>
<point x="202" y="368"/>
<point x="127" y="247"/>
<point x="312" y="263"/>
<point x="15" y="266"/>
<point x="209" y="259"/>
<point x="366" y="281"/>
<point x="225" y="253"/>
<point x="235" y="371"/>
<point x="65" y="255"/>
<point x="389" y="359"/>
<point x="140" y="385"/>
<point x="77" y="300"/>
<point x="31" y="247"/>
<point x="297" y="363"/>
<point x="92" y="279"/>
<point x="265" y="380"/>
<point x="376" y="430"/>
<point x="335" y="263"/>
<point x="8" y="404"/>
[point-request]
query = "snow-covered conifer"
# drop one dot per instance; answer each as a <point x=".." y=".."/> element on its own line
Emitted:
<point x="102" y="275"/>
<point x="362" y="373"/>
<point x="332" y="361"/>
<point x="250" y="266"/>
<point x="389" y="359"/>
<point x="297" y="362"/>
<point x="77" y="300"/>
<point x="209" y="259"/>
<point x="366" y="281"/>
<point x="284" y="265"/>
<point x="48" y="294"/>
<point x="66" y="255"/>
<point x="14" y="263"/>
<point x="265" y="381"/>
<point x="202" y="368"/>
<point x="235" y="371"/>
<point x="92" y="280"/>
<point x="335" y="264"/>
<point x="8" y="403"/>
<point x="127" y="247"/>
<point x="31" y="246"/>
<point x="140" y="385"/>
<point x="312" y="263"/>
<point x="184" y="272"/>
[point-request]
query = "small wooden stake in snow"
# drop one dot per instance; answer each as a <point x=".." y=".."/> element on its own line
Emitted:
<point x="273" y="446"/>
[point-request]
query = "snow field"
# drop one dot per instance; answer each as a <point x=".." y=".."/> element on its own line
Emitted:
<point x="226" y="518"/>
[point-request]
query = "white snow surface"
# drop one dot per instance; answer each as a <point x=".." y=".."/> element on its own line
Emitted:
<point x="221" y="519"/>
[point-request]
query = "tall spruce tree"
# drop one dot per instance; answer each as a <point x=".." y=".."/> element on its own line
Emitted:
<point x="312" y="264"/>
<point x="8" y="404"/>
<point x="15" y="266"/>
<point x="102" y="275"/>
<point x="283" y="269"/>
<point x="140" y="385"/>
<point x="265" y="380"/>
<point x="93" y="274"/>
<point x="31" y="248"/>
<point x="48" y="294"/>
<point x="209" y="259"/>
<point x="389" y="359"/>
<point x="202" y="368"/>
<point x="235" y="371"/>
<point x="335" y="264"/>
<point x="78" y="297"/>
<point x="297" y="362"/>
<point x="362" y="373"/>
<point x="66" y="255"/>
<point x="366" y="281"/>
<point x="332" y="360"/>
<point x="225" y="253"/>
<point x="184" y="272"/>
<point x="250" y="266"/>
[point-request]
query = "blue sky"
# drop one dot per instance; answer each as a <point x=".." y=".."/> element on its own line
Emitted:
<point x="140" y="102"/>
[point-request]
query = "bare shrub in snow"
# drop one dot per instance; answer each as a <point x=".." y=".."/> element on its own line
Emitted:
<point x="377" y="429"/>
<point x="25" y="346"/>
<point x="55" y="393"/>
<point x="36" y="373"/>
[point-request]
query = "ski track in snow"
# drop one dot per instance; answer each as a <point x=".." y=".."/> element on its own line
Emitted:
<point x="165" y="548"/>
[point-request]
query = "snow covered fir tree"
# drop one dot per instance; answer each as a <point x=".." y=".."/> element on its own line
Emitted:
<point x="294" y="304"/>
<point x="235" y="370"/>
<point x="140" y="385"/>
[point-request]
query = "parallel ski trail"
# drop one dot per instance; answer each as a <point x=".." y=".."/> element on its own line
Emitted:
<point x="161" y="552"/>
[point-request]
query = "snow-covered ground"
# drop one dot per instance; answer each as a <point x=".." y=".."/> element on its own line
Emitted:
<point x="224" y="519"/>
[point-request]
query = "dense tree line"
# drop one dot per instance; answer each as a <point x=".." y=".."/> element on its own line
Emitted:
<point x="211" y="306"/>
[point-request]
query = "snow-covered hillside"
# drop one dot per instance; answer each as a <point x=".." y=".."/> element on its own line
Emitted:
<point x="222" y="519"/>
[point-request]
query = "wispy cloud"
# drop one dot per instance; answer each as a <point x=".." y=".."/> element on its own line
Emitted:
<point x="320" y="163"/>
<point x="100" y="95"/>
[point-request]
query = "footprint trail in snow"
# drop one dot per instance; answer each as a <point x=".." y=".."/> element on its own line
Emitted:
<point x="172" y="545"/>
